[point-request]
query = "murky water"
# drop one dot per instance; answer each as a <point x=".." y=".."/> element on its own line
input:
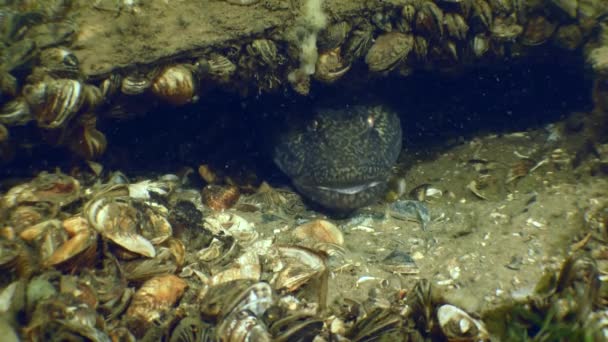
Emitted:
<point x="139" y="198"/>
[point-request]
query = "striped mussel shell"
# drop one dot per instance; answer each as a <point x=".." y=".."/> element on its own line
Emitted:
<point x="333" y="36"/>
<point x="482" y="15"/>
<point x="506" y="30"/>
<point x="175" y="84"/>
<point x="135" y="84"/>
<point x="133" y="225"/>
<point x="358" y="43"/>
<point x="243" y="326"/>
<point x="15" y="113"/>
<point x="55" y="102"/>
<point x="501" y="7"/>
<point x="110" y="86"/>
<point x="429" y="20"/>
<point x="265" y="50"/>
<point x="216" y="67"/>
<point x="537" y="31"/>
<point x="86" y="141"/>
<point x="388" y="50"/>
<point x="456" y="26"/>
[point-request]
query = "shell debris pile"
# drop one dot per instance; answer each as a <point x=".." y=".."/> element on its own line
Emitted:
<point x="120" y="260"/>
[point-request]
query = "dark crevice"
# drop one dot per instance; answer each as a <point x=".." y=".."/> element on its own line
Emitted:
<point x="233" y="133"/>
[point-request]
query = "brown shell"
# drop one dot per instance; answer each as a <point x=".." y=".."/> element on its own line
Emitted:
<point x="79" y="251"/>
<point x="330" y="66"/>
<point x="568" y="37"/>
<point x="456" y="26"/>
<point x="429" y="20"/>
<point x="220" y="197"/>
<point x="388" y="50"/>
<point x="154" y="298"/>
<point x="55" y="102"/>
<point x="57" y="188"/>
<point x="482" y="13"/>
<point x="87" y="141"/>
<point x="135" y="84"/>
<point x="175" y="85"/>
<point x="538" y="30"/>
<point x="319" y="231"/>
<point x="333" y="36"/>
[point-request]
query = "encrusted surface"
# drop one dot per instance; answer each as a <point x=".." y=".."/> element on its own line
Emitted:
<point x="158" y="30"/>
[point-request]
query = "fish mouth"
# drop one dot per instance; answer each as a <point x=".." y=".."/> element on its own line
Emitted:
<point x="343" y="197"/>
<point x="349" y="189"/>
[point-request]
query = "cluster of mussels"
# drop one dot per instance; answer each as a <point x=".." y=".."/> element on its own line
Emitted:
<point x="41" y="82"/>
<point x="124" y="261"/>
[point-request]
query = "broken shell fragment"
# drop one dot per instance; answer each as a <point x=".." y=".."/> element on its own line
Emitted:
<point x="408" y="210"/>
<point x="219" y="252"/>
<point x="330" y="66"/>
<point x="233" y="225"/>
<point x="320" y="231"/>
<point x="175" y="85"/>
<point x="220" y="197"/>
<point x="457" y="325"/>
<point x="400" y="262"/>
<point x="299" y="266"/>
<point x="135" y="229"/>
<point x="247" y="266"/>
<point x="79" y="250"/>
<point x="56" y="188"/>
<point x="154" y="299"/>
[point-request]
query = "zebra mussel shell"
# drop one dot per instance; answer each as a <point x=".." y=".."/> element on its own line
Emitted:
<point x="55" y="102"/>
<point x="176" y="85"/>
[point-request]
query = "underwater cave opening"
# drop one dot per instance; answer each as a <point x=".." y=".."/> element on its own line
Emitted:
<point x="233" y="133"/>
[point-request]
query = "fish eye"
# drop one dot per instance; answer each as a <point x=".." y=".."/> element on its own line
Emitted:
<point x="371" y="120"/>
<point x="313" y="126"/>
